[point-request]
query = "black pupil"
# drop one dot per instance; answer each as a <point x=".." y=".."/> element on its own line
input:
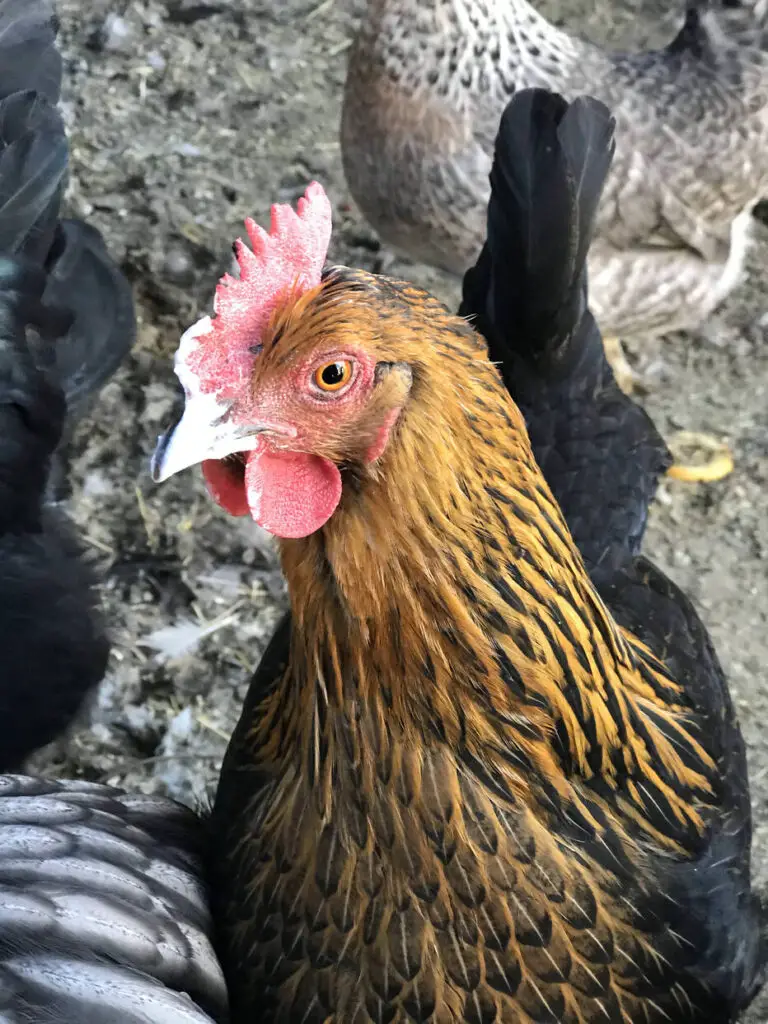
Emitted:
<point x="333" y="374"/>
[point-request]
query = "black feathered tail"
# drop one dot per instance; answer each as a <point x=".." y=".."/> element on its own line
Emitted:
<point x="527" y="295"/>
<point x="528" y="291"/>
<point x="28" y="47"/>
<point x="33" y="171"/>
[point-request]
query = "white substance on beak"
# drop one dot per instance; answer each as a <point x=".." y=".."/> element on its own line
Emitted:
<point x="204" y="431"/>
<point x="188" y="343"/>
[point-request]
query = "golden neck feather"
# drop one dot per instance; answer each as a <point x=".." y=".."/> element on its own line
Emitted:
<point x="446" y="599"/>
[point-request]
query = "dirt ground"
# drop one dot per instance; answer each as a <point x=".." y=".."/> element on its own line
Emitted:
<point x="185" y="117"/>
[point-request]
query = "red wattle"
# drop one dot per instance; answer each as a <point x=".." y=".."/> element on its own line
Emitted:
<point x="291" y="494"/>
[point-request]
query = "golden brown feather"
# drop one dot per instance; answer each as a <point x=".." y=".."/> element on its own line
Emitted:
<point x="488" y="769"/>
<point x="469" y="770"/>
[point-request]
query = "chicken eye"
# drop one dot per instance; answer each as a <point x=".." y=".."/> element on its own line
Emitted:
<point x="333" y="376"/>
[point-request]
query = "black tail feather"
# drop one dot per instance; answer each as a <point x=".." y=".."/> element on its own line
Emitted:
<point x="528" y="296"/>
<point x="30" y="58"/>
<point x="33" y="174"/>
<point x="33" y="169"/>
<point x="529" y="286"/>
<point x="34" y="158"/>
<point x="33" y="143"/>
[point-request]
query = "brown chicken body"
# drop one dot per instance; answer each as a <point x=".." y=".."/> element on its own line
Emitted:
<point x="475" y="797"/>
<point x="462" y="788"/>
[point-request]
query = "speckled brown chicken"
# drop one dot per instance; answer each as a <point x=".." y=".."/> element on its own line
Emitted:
<point x="428" y="80"/>
<point x="488" y="769"/>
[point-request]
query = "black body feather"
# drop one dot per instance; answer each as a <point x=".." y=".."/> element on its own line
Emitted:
<point x="54" y="646"/>
<point x="603" y="457"/>
<point x="103" y="908"/>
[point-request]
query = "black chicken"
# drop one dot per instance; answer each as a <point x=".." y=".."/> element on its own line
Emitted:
<point x="103" y="912"/>
<point x="54" y="647"/>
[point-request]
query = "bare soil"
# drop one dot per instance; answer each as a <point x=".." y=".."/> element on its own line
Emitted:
<point x="187" y="116"/>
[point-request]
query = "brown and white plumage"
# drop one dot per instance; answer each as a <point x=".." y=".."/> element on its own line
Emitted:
<point x="428" y="81"/>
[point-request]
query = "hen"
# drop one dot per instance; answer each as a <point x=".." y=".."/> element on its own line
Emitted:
<point x="427" y="82"/>
<point x="488" y="769"/>
<point x="54" y="648"/>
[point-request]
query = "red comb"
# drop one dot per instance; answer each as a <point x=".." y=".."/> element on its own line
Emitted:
<point x="289" y="258"/>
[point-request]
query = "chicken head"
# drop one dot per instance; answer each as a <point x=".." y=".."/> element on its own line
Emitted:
<point x="283" y="388"/>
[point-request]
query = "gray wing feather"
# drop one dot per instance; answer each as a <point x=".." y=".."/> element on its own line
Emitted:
<point x="102" y="905"/>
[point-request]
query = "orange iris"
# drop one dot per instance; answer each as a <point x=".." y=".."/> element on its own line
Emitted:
<point x="334" y="375"/>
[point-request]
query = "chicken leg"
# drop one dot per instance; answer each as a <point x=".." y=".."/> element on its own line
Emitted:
<point x="720" y="460"/>
<point x="625" y="376"/>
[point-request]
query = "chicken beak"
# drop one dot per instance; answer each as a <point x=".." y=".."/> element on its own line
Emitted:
<point x="204" y="432"/>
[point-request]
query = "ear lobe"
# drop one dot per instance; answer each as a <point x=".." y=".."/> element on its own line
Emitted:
<point x="385" y="370"/>
<point x="395" y="380"/>
<point x="392" y="384"/>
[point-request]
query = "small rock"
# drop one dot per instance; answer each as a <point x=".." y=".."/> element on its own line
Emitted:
<point x="178" y="267"/>
<point x="96" y="484"/>
<point x="138" y="720"/>
<point x="156" y="61"/>
<point x="180" y="727"/>
<point x="116" y="34"/>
